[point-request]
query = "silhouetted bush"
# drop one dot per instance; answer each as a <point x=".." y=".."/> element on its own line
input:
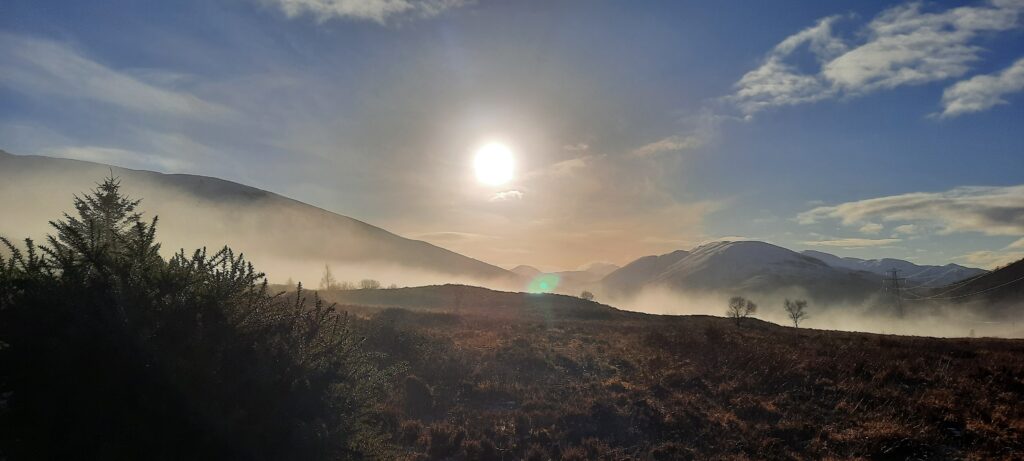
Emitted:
<point x="112" y="352"/>
<point x="445" y="440"/>
<point x="480" y="450"/>
<point x="419" y="399"/>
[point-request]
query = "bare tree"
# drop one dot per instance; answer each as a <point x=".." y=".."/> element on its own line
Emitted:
<point x="740" y="308"/>
<point x="328" y="282"/>
<point x="369" y="284"/>
<point x="797" y="311"/>
<point x="587" y="295"/>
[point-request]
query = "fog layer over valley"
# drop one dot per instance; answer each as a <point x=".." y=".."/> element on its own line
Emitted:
<point x="290" y="240"/>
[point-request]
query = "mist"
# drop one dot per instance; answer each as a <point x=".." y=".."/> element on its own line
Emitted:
<point x="289" y="240"/>
<point x="872" y="316"/>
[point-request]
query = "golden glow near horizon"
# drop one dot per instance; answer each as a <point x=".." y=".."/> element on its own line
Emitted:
<point x="494" y="164"/>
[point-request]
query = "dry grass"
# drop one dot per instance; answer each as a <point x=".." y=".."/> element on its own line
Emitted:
<point x="525" y="383"/>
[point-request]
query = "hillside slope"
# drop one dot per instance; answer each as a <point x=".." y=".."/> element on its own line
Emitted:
<point x="541" y="383"/>
<point x="744" y="267"/>
<point x="999" y="293"/>
<point x="285" y="237"/>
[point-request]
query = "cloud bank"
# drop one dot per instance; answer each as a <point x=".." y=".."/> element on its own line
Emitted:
<point x="988" y="210"/>
<point x="903" y="45"/>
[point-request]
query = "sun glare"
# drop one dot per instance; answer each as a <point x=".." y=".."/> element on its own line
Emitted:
<point x="494" y="164"/>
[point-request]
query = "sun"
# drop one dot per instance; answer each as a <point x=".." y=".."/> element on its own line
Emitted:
<point x="494" y="164"/>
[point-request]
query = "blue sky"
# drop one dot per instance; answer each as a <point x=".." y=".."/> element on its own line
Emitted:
<point x="865" y="129"/>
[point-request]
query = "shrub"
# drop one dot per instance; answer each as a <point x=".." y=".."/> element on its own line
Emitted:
<point x="419" y="399"/>
<point x="113" y="352"/>
<point x="445" y="440"/>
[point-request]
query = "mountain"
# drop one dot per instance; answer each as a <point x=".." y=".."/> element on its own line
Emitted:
<point x="525" y="271"/>
<point x="999" y="293"/>
<point x="745" y="267"/>
<point x="284" y="237"/>
<point x="933" y="276"/>
<point x="641" y="272"/>
<point x="600" y="268"/>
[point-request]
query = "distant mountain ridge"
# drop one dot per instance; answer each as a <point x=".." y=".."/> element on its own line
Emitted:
<point x="934" y="276"/>
<point x="757" y="267"/>
<point x="280" y="234"/>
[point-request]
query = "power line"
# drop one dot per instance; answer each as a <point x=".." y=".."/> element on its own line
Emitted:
<point x="972" y="294"/>
<point x="953" y="287"/>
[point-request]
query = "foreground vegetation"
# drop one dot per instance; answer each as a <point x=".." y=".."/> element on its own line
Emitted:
<point x="513" y="376"/>
<point x="109" y="351"/>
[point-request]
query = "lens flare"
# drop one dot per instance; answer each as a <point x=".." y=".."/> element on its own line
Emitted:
<point x="543" y="283"/>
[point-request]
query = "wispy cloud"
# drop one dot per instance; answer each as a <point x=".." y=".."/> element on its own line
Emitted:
<point x="379" y="11"/>
<point x="578" y="147"/>
<point x="903" y="45"/>
<point x="906" y="229"/>
<point x="988" y="210"/>
<point x="871" y="228"/>
<point x="778" y="83"/>
<point x="507" y="195"/>
<point x="982" y="92"/>
<point x="40" y="67"/>
<point x="853" y="242"/>
<point x="670" y="144"/>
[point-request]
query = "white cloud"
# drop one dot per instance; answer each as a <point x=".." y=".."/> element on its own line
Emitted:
<point x="371" y="10"/>
<point x="777" y="83"/>
<point x="578" y="147"/>
<point x="42" y="67"/>
<point x="988" y="210"/>
<point x="903" y="45"/>
<point x="669" y="144"/>
<point x="853" y="242"/>
<point x="871" y="228"/>
<point x="909" y="46"/>
<point x="1017" y="245"/>
<point x="982" y="92"/>
<point x="506" y="195"/>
